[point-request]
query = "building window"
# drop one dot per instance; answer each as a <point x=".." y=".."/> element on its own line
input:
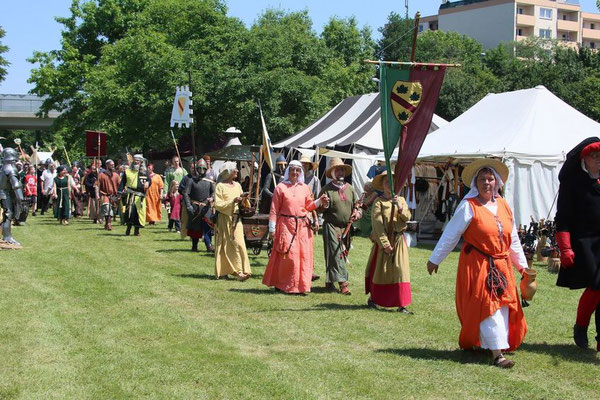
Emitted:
<point x="420" y="27"/>
<point x="592" y="26"/>
<point x="564" y="17"/>
<point x="546" y="13"/>
<point x="519" y="11"/>
<point x="592" y="45"/>
<point x="519" y="32"/>
<point x="545" y="33"/>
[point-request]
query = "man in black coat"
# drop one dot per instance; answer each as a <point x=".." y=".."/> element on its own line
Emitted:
<point x="578" y="233"/>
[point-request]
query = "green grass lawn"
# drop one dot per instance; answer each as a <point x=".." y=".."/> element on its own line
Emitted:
<point x="86" y="313"/>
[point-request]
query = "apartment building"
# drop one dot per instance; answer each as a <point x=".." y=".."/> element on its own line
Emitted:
<point x="494" y="21"/>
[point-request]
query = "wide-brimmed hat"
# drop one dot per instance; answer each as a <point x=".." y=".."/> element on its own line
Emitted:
<point x="472" y="169"/>
<point x="378" y="180"/>
<point x="337" y="162"/>
<point x="306" y="159"/>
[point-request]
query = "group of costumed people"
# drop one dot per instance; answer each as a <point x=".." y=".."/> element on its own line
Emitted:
<point x="487" y="301"/>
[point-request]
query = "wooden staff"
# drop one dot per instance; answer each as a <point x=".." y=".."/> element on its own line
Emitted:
<point x="260" y="158"/>
<point x="176" y="147"/>
<point x="67" y="155"/>
<point x="415" y="34"/>
<point x="413" y="64"/>
<point x="251" y="171"/>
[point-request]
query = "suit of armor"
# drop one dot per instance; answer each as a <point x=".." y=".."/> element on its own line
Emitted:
<point x="11" y="193"/>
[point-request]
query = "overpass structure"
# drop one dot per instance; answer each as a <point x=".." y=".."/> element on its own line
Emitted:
<point x="18" y="111"/>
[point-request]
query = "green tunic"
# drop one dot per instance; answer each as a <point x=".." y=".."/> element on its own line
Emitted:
<point x="335" y="219"/>
<point x="62" y="204"/>
<point x="173" y="175"/>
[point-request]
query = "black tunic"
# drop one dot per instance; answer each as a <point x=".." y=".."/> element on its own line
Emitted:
<point x="578" y="212"/>
<point x="196" y="190"/>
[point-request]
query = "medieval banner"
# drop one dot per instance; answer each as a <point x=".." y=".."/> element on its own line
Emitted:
<point x="409" y="95"/>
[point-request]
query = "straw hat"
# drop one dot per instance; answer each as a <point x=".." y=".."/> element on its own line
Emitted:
<point x="337" y="162"/>
<point x="472" y="169"/>
<point x="378" y="180"/>
<point x="306" y="159"/>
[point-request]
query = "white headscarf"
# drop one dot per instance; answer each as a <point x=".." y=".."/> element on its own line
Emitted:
<point x="286" y="176"/>
<point x="474" y="192"/>
<point x="226" y="171"/>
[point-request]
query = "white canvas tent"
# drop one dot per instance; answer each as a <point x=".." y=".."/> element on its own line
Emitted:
<point x="531" y="130"/>
<point x="352" y="126"/>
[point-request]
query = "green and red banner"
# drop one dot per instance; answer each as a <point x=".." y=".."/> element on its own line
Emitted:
<point x="409" y="95"/>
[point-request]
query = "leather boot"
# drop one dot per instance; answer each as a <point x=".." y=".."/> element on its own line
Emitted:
<point x="128" y="231"/>
<point x="136" y="231"/>
<point x="108" y="225"/>
<point x="580" y="336"/>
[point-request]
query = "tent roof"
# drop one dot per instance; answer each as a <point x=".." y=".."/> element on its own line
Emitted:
<point x="355" y="120"/>
<point x="527" y="124"/>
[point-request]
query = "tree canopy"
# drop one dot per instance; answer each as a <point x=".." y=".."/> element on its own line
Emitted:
<point x="3" y="61"/>
<point x="120" y="61"/>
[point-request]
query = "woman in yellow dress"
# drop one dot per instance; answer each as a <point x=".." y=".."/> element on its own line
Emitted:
<point x="231" y="256"/>
<point x="387" y="278"/>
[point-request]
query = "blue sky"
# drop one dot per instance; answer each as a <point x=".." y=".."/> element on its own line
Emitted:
<point x="30" y="25"/>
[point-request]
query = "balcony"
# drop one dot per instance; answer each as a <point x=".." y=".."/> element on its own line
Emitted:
<point x="571" y="26"/>
<point x="592" y="34"/>
<point x="525" y="20"/>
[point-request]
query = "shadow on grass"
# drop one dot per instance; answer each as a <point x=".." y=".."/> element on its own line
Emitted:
<point x="197" y="276"/>
<point x="169" y="240"/>
<point x="458" y="356"/>
<point x="186" y="250"/>
<point x="255" y="291"/>
<point x="568" y="352"/>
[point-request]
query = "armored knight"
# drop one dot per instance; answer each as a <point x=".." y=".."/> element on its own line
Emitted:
<point x="11" y="193"/>
<point x="198" y="196"/>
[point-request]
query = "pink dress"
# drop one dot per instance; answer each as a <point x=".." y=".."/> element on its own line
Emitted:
<point x="290" y="266"/>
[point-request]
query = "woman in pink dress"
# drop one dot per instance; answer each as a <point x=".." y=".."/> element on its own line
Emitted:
<point x="290" y="266"/>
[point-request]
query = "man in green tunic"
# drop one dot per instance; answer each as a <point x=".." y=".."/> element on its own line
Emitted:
<point x="341" y="211"/>
<point x="133" y="186"/>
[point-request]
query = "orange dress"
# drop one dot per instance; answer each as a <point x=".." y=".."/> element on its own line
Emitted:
<point x="153" y="205"/>
<point x="474" y="301"/>
<point x="291" y="264"/>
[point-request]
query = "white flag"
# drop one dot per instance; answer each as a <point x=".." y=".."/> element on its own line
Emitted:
<point x="181" y="113"/>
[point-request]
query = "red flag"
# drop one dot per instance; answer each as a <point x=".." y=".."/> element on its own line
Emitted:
<point x="415" y="130"/>
<point x="92" y="139"/>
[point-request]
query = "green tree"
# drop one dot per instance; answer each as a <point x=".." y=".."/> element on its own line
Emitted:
<point x="3" y="62"/>
<point x="345" y="73"/>
<point x="396" y="38"/>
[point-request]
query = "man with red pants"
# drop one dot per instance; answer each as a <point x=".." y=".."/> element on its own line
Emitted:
<point x="578" y="233"/>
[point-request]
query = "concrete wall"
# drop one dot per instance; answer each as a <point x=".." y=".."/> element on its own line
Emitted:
<point x="489" y="25"/>
<point x="541" y="23"/>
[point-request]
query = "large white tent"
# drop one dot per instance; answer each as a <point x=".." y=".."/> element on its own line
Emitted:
<point x="531" y="130"/>
<point x="353" y="126"/>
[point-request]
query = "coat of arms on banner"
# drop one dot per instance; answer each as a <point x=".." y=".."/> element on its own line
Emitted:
<point x="405" y="98"/>
<point x="181" y="113"/>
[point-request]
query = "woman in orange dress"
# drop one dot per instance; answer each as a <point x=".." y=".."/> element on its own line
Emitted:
<point x="291" y="265"/>
<point x="487" y="301"/>
<point x="154" y="197"/>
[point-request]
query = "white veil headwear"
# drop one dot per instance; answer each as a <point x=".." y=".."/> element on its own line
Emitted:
<point x="297" y="164"/>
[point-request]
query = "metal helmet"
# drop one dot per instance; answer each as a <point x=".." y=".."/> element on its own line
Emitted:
<point x="201" y="164"/>
<point x="9" y="154"/>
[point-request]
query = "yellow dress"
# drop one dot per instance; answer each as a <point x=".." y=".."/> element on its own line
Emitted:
<point x="231" y="256"/>
<point x="387" y="277"/>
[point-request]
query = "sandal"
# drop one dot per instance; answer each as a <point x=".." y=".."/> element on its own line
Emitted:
<point x="502" y="362"/>
<point x="404" y="310"/>
<point x="344" y="289"/>
<point x="243" y="277"/>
